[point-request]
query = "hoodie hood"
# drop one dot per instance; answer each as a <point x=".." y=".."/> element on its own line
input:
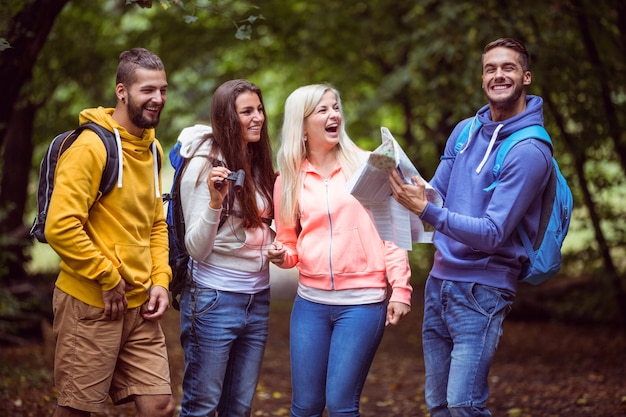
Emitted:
<point x="103" y="117"/>
<point x="196" y="140"/>
<point x="533" y="115"/>
<point x="494" y="132"/>
<point x="127" y="143"/>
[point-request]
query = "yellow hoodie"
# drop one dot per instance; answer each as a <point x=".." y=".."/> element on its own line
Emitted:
<point x="122" y="235"/>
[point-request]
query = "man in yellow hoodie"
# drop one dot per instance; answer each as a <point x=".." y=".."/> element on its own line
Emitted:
<point x="112" y="287"/>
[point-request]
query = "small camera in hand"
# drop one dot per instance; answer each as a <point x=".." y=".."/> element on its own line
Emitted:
<point x="238" y="177"/>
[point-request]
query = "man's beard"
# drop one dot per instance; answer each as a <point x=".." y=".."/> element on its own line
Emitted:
<point x="508" y="101"/>
<point x="135" y="114"/>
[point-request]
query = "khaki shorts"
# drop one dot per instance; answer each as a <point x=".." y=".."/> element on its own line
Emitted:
<point x="96" y="357"/>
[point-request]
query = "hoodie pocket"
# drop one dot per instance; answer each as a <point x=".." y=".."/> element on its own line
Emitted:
<point x="135" y="265"/>
<point x="345" y="248"/>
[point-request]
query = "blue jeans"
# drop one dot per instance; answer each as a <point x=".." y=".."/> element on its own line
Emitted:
<point x="223" y="335"/>
<point x="460" y="334"/>
<point x="331" y="350"/>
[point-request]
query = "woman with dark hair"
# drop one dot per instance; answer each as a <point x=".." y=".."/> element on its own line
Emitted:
<point x="226" y="195"/>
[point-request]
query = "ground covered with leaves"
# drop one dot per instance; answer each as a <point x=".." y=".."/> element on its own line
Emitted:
<point x="542" y="369"/>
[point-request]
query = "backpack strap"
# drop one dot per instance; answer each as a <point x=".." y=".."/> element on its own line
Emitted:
<point x="534" y="132"/>
<point x="111" y="168"/>
<point x="462" y="138"/>
<point x="179" y="163"/>
<point x="547" y="202"/>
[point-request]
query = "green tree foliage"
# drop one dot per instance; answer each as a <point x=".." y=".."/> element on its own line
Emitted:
<point x="416" y="69"/>
<point x="413" y="67"/>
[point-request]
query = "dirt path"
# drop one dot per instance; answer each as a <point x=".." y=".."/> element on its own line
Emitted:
<point x="542" y="369"/>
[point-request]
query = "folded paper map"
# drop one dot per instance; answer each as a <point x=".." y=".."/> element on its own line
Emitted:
<point x="370" y="185"/>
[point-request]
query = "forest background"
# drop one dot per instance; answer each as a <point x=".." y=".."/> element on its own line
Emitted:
<point x="412" y="66"/>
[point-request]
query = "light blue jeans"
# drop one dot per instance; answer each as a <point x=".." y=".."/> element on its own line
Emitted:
<point x="331" y="350"/>
<point x="460" y="334"/>
<point x="223" y="336"/>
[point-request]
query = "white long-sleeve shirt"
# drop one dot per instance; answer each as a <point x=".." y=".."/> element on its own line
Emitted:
<point x="231" y="258"/>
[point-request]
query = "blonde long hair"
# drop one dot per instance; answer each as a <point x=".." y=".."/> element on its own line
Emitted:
<point x="292" y="152"/>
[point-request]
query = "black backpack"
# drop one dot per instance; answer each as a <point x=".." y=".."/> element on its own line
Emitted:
<point x="48" y="166"/>
<point x="47" y="169"/>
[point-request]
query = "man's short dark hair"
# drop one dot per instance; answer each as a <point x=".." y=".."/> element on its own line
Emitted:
<point x="136" y="58"/>
<point x="514" y="44"/>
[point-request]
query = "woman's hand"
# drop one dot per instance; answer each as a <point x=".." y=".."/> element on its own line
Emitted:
<point x="217" y="196"/>
<point x="395" y="311"/>
<point x="276" y="254"/>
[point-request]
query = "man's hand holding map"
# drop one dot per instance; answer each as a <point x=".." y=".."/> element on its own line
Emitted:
<point x="370" y="185"/>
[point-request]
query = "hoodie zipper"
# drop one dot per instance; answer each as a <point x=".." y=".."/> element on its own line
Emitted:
<point x="330" y="243"/>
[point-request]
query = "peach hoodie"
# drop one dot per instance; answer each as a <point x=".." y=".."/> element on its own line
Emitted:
<point x="338" y="247"/>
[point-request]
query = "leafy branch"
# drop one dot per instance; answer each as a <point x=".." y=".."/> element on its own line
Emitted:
<point x="244" y="26"/>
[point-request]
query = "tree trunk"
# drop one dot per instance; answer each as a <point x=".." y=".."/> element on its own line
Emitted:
<point x="612" y="276"/>
<point x="18" y="153"/>
<point x="603" y="79"/>
<point x="27" y="31"/>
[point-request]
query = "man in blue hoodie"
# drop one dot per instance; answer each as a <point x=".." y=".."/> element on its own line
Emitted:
<point x="479" y="254"/>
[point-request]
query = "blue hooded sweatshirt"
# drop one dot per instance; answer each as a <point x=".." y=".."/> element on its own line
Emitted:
<point x="475" y="236"/>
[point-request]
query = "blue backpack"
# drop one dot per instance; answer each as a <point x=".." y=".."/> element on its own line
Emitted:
<point x="178" y="255"/>
<point x="544" y="257"/>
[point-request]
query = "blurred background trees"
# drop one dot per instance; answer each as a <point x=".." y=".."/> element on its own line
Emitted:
<point x="412" y="66"/>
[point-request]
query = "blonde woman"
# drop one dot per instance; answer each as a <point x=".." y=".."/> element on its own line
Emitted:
<point x="342" y="304"/>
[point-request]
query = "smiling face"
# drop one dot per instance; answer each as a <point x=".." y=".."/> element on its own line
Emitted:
<point x="251" y="116"/>
<point x="504" y="79"/>
<point x="323" y="126"/>
<point x="146" y="98"/>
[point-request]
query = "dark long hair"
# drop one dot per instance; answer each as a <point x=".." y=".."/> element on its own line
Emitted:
<point x="255" y="158"/>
